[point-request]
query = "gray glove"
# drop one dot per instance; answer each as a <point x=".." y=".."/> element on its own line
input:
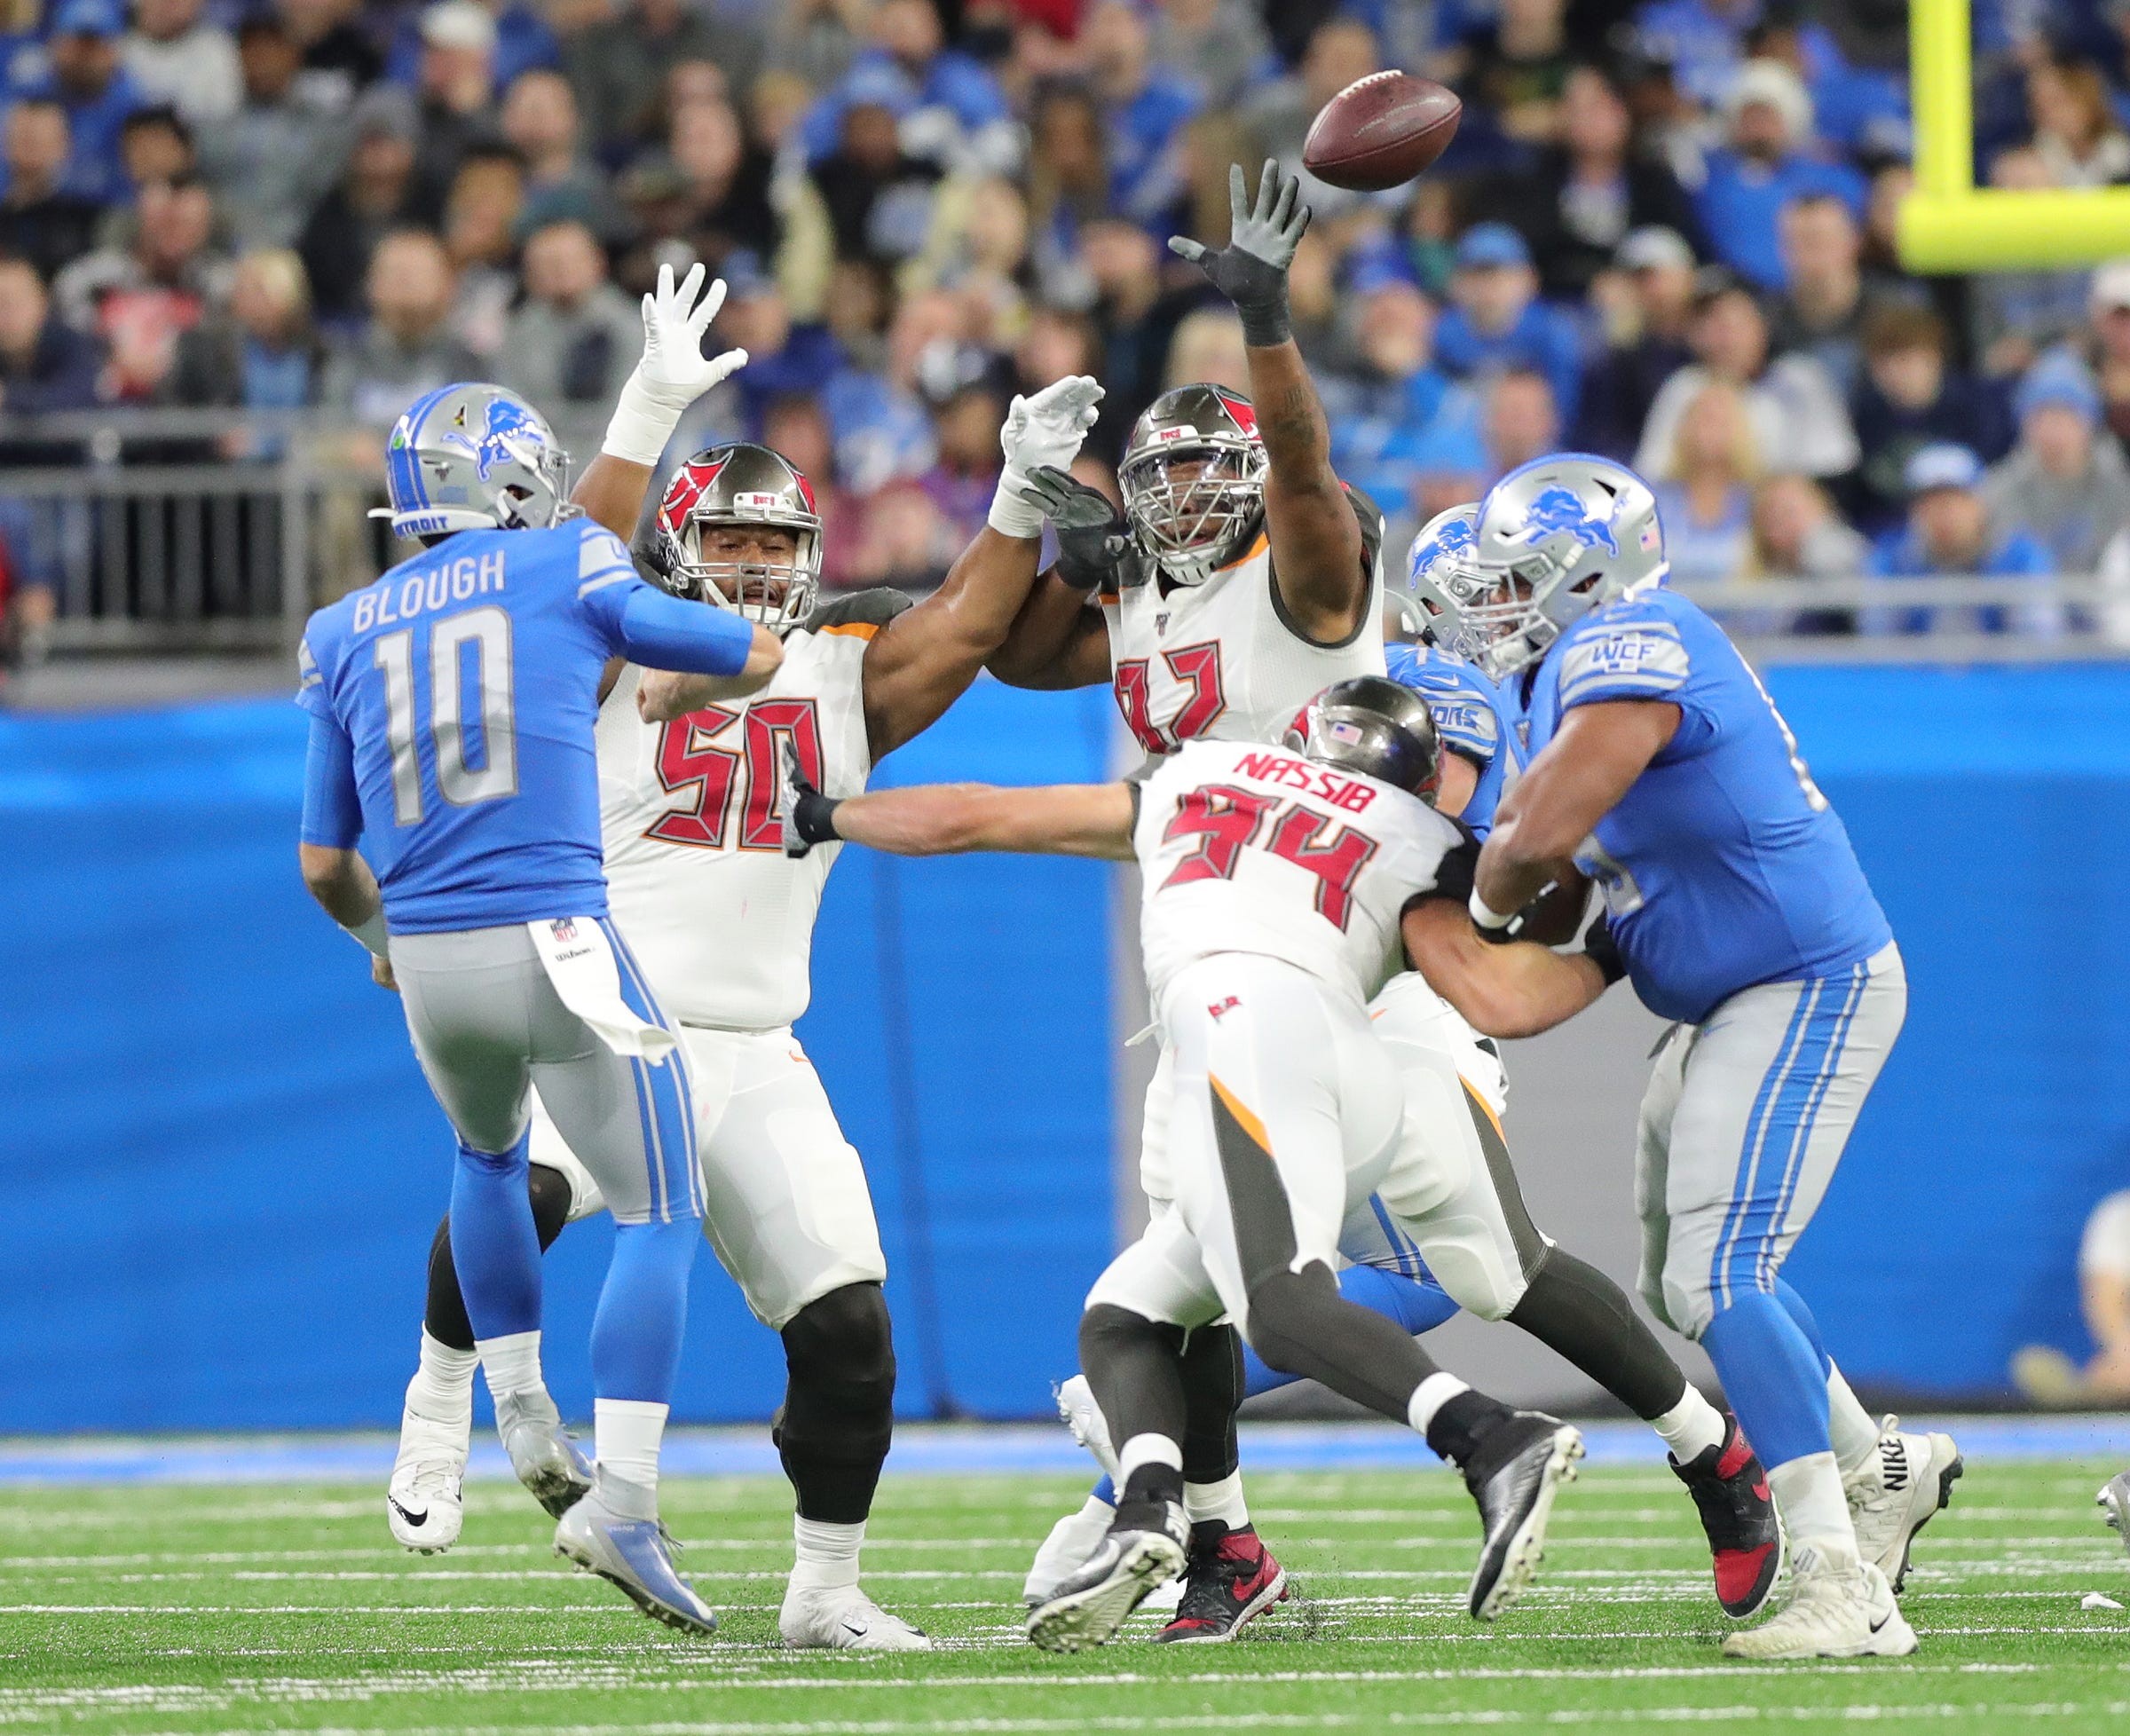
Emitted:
<point x="810" y="817"/>
<point x="1251" y="270"/>
<point x="1095" y="544"/>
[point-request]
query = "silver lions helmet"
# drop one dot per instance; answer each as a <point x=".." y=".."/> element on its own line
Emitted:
<point x="1443" y="580"/>
<point x="736" y="486"/>
<point x="474" y="457"/>
<point x="1557" y="538"/>
<point x="1193" y="480"/>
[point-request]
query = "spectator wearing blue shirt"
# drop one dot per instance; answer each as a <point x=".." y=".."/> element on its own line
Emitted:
<point x="1145" y="107"/>
<point x="1382" y="407"/>
<point x="523" y="41"/>
<point x="950" y="97"/>
<point x="1949" y="535"/>
<point x="1698" y="40"/>
<point x="44" y="363"/>
<point x="1497" y="321"/>
<point x="81" y="72"/>
<point x="1764" y="167"/>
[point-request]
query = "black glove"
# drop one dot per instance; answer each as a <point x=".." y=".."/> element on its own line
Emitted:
<point x="1603" y="950"/>
<point x="1095" y="544"/>
<point x="810" y="817"/>
<point x="1251" y="270"/>
<point x="1454" y="872"/>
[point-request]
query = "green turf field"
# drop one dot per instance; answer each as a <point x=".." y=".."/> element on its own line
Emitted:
<point x="259" y="1608"/>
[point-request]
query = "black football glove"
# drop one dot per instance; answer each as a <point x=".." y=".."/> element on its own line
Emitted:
<point x="810" y="817"/>
<point x="1603" y="950"/>
<point x="1251" y="270"/>
<point x="1095" y="544"/>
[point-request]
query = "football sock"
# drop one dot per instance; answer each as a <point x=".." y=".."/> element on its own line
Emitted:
<point x="1772" y="1377"/>
<point x="1796" y="1306"/>
<point x="625" y="1437"/>
<point x="442" y="1389"/>
<point x="1691" y="1427"/>
<point x="1429" y="1398"/>
<point x="827" y="1554"/>
<point x="1808" y="1495"/>
<point x="1221" y="1501"/>
<point x="1144" y="1449"/>
<point x="642" y="1310"/>
<point x="1416" y="1304"/>
<point x="1853" y="1429"/>
<point x="444" y="1314"/>
<point x="1212" y="1393"/>
<point x="512" y="1364"/>
<point x="1573" y="1308"/>
<point x="493" y="1245"/>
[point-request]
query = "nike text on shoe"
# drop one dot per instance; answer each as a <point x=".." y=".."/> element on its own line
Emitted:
<point x="1737" y="1513"/>
<point x="1513" y="1473"/>
<point x="1228" y="1582"/>
<point x="844" y="1619"/>
<point x="1837" y="1609"/>
<point x="1147" y="1545"/>
<point x="1071" y="1540"/>
<point x="1897" y="1494"/>
<point x="547" y="1461"/>
<point x="636" y="1555"/>
<point x="2115" y="1506"/>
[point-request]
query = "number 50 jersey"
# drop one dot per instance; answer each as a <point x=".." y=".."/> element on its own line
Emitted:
<point x="1247" y="849"/>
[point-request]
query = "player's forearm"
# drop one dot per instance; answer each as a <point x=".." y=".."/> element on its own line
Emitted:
<point x="1515" y="991"/>
<point x="1521" y="858"/>
<point x="612" y="490"/>
<point x="982" y="597"/>
<point x="665" y="694"/>
<point x="954" y="819"/>
<point x="1316" y="541"/>
<point x="346" y="890"/>
<point x="1040" y="647"/>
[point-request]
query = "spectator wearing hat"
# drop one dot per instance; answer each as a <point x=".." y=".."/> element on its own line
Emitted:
<point x="376" y="194"/>
<point x="272" y="161"/>
<point x="1798" y="420"/>
<point x="2107" y="342"/>
<point x="40" y="221"/>
<point x="179" y="56"/>
<point x="1912" y="397"/>
<point x="618" y="60"/>
<point x="1950" y="533"/>
<point x="81" y="71"/>
<point x="519" y="35"/>
<point x="1495" y="320"/>
<point x="1821" y="308"/>
<point x="2066" y="481"/>
<point x="1765" y="165"/>
<point x="1580" y="200"/>
<point x="911" y="71"/>
<point x="455" y="94"/>
<point x="1645" y="344"/>
<point x="405" y="347"/>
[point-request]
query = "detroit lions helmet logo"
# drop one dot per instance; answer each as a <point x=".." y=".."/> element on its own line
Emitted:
<point x="506" y="421"/>
<point x="1457" y="536"/>
<point x="1558" y="511"/>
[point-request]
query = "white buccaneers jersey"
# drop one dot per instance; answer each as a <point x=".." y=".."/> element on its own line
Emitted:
<point x="1221" y="659"/>
<point x="720" y="918"/>
<point x="1247" y="849"/>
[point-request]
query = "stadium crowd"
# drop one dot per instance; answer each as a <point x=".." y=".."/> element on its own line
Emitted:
<point x="1664" y="232"/>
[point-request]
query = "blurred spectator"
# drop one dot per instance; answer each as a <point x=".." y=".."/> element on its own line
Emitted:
<point x="179" y="56"/>
<point x="481" y="226"/>
<point x="573" y="339"/>
<point x="618" y="62"/>
<point x="724" y="182"/>
<point x="1520" y="421"/>
<point x="878" y="197"/>
<point x="1764" y="166"/>
<point x="264" y="354"/>
<point x="273" y="161"/>
<point x="539" y="123"/>
<point x="156" y="145"/>
<point x="2048" y="1377"/>
<point x="1381" y="408"/>
<point x="1950" y="534"/>
<point x="39" y="220"/>
<point x="80" y="70"/>
<point x="1911" y="397"/>
<point x="454" y="91"/>
<point x="1520" y="67"/>
<point x="2066" y="481"/>
<point x="1136" y="316"/>
<point x="1577" y="204"/>
<point x="1067" y="183"/>
<point x="2013" y="316"/>
<point x="902" y="540"/>
<point x="1820" y="311"/>
<point x="815" y="41"/>
<point x="1698" y="40"/>
<point x="1495" y="320"/>
<point x="406" y="347"/>
<point x="1798" y="534"/>
<point x="2107" y="342"/>
<point x="137" y="298"/>
<point x="1207" y="345"/>
<point x="1145" y="107"/>
<point x="1341" y="49"/>
<point x="517" y="30"/>
<point x="1645" y="348"/>
<point x="341" y="59"/>
<point x="2077" y="135"/>
<point x="1219" y="42"/>
<point x="374" y="194"/>
<point x="1797" y="418"/>
<point x="1704" y="489"/>
<point x="44" y="364"/>
<point x="967" y="408"/>
<point x="957" y="113"/>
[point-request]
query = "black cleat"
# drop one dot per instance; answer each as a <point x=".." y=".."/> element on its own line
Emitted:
<point x="1145" y="1547"/>
<point x="1232" y="1579"/>
<point x="1513" y="1473"/>
<point x="1737" y="1513"/>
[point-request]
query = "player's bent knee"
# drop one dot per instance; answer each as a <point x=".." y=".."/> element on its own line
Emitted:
<point x="1288" y="1311"/>
<point x="1479" y="1276"/>
<point x="1684" y="1304"/>
<point x="839" y="1353"/>
<point x="552" y="1198"/>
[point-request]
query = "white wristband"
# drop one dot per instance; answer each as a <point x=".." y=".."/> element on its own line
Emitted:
<point x="1485" y="916"/>
<point x="373" y="934"/>
<point x="642" y="424"/>
<point x="1010" y="515"/>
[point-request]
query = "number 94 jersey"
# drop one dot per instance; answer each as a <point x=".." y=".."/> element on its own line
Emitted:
<point x="1248" y="849"/>
<point x="1723" y="866"/>
<point x="720" y="918"/>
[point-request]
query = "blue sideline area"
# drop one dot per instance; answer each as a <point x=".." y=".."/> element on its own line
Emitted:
<point x="225" y="1167"/>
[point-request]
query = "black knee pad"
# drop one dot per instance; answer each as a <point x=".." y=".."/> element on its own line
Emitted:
<point x="444" y="1312"/>
<point x="1289" y="1313"/>
<point x="549" y="1192"/>
<point x="839" y="1351"/>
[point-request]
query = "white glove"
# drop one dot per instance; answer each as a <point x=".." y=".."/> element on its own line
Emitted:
<point x="672" y="372"/>
<point x="1047" y="429"/>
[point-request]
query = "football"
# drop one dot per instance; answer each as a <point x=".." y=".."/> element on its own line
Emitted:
<point x="1380" y="132"/>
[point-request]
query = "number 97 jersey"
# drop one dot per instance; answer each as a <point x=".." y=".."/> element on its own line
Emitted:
<point x="1254" y="850"/>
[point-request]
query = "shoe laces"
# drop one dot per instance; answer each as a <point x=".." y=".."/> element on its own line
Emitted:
<point x="433" y="1474"/>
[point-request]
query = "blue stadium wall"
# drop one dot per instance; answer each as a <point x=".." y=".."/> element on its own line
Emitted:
<point x="223" y="1168"/>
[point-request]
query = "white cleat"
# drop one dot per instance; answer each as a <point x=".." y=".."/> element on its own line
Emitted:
<point x="2115" y="1506"/>
<point x="1836" y="1610"/>
<point x="424" y="1504"/>
<point x="843" y="1618"/>
<point x="1079" y="1412"/>
<point x="1896" y="1495"/>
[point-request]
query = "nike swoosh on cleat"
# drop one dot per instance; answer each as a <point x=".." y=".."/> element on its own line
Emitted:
<point x="411" y="1517"/>
<point x="857" y="1627"/>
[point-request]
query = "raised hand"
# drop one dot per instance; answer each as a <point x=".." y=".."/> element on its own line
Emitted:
<point x="1251" y="270"/>
<point x="1043" y="430"/>
<point x="673" y="371"/>
<point x="1094" y="543"/>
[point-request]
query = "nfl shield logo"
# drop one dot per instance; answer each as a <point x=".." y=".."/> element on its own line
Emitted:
<point x="563" y="928"/>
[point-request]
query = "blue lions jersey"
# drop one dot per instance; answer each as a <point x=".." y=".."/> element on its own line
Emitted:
<point x="466" y="683"/>
<point x="1472" y="717"/>
<point x="1723" y="865"/>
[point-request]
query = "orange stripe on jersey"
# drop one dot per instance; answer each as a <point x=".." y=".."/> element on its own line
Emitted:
<point x="1244" y="1119"/>
<point x="1256" y="548"/>
<point x="1481" y="1105"/>
<point x="857" y="629"/>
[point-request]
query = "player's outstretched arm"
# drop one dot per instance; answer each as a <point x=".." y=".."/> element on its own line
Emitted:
<point x="1573" y="783"/>
<point x="1317" y="555"/>
<point x="671" y="374"/>
<point x="718" y="654"/>
<point x="956" y="819"/>
<point x="1514" y="990"/>
<point x="925" y="658"/>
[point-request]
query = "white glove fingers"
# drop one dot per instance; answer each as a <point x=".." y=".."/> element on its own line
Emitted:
<point x="692" y="286"/>
<point x="1184" y="247"/>
<point x="1269" y="191"/>
<point x="699" y="322"/>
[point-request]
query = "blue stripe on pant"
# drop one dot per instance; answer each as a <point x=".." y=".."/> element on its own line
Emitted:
<point x="663" y="1101"/>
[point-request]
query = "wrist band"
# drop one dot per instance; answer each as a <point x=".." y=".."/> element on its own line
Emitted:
<point x="1010" y="514"/>
<point x="640" y="425"/>
<point x="1265" y="323"/>
<point x="814" y="817"/>
<point x="374" y="935"/>
<point x="1485" y="916"/>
